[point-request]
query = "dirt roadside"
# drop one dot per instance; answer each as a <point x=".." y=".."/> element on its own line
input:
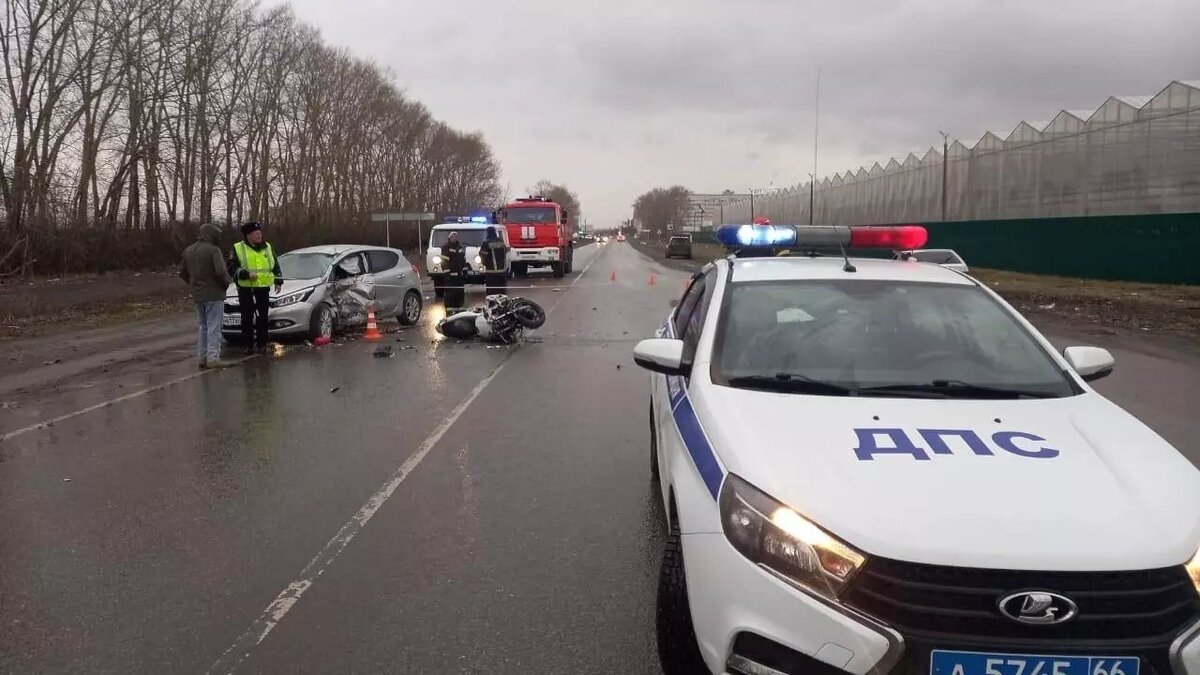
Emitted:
<point x="1097" y="307"/>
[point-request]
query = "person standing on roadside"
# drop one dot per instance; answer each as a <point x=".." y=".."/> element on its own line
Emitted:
<point x="456" y="262"/>
<point x="256" y="269"/>
<point x="494" y="254"/>
<point x="203" y="268"/>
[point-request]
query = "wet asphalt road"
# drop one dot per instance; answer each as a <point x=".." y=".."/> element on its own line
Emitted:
<point x="152" y="535"/>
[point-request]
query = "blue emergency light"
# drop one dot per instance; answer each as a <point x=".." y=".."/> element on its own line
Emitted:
<point x="756" y="235"/>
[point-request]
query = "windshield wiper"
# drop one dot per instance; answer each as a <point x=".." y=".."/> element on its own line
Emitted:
<point x="955" y="389"/>
<point x="790" y="383"/>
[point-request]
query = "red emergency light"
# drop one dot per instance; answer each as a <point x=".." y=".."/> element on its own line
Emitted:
<point x="895" y="237"/>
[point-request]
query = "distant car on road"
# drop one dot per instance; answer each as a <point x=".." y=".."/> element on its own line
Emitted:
<point x="620" y="237"/>
<point x="938" y="256"/>
<point x="679" y="247"/>
<point x="325" y="289"/>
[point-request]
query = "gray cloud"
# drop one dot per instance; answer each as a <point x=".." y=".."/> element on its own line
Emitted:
<point x="617" y="98"/>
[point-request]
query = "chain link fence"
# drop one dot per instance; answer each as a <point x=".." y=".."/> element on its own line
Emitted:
<point x="1132" y="155"/>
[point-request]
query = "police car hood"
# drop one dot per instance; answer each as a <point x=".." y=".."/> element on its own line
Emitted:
<point x="1101" y="492"/>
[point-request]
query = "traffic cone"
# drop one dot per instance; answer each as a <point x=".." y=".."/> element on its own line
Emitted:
<point x="613" y="276"/>
<point x="372" y="330"/>
<point x="651" y="282"/>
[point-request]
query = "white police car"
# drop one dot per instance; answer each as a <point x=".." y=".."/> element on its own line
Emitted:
<point x="876" y="466"/>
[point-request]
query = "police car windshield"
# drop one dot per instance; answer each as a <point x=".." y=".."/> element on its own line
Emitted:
<point x="465" y="237"/>
<point x="304" y="265"/>
<point x="879" y="338"/>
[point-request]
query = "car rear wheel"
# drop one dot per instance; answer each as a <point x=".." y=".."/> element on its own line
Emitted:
<point x="678" y="651"/>
<point x="410" y="312"/>
<point x="321" y="323"/>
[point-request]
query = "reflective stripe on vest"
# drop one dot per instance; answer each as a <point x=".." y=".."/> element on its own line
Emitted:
<point x="261" y="262"/>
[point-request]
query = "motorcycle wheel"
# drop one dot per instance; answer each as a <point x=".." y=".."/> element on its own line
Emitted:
<point x="528" y="313"/>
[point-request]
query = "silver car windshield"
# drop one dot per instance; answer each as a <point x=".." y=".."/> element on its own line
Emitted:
<point x="879" y="338"/>
<point x="304" y="265"/>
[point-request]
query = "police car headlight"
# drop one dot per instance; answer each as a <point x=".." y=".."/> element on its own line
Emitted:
<point x="770" y="534"/>
<point x="292" y="298"/>
<point x="1193" y="569"/>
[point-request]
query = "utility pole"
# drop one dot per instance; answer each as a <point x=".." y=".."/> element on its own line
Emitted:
<point x="812" y="185"/>
<point x="752" y="206"/>
<point x="945" y="168"/>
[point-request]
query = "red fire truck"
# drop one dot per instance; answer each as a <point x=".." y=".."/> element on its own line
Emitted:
<point x="539" y="235"/>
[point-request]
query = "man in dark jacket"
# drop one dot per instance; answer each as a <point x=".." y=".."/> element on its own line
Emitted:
<point x="494" y="253"/>
<point x="456" y="261"/>
<point x="256" y="269"/>
<point x="203" y="268"/>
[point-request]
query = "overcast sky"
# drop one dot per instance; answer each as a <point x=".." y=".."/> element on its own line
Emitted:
<point x="616" y="97"/>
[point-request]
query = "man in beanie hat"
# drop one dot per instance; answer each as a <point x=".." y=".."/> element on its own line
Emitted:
<point x="204" y="270"/>
<point x="256" y="269"/>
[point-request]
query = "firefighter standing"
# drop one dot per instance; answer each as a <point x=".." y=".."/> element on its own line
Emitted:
<point x="494" y="253"/>
<point x="456" y="264"/>
<point x="256" y="269"/>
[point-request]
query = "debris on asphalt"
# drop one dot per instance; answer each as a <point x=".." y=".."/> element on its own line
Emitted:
<point x="1049" y="306"/>
<point x="618" y="366"/>
<point x="66" y="480"/>
<point x="51" y="363"/>
<point x="383" y="353"/>
<point x="334" y="390"/>
<point x="406" y="347"/>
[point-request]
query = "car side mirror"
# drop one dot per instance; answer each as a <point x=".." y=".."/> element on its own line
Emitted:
<point x="1092" y="363"/>
<point x="661" y="355"/>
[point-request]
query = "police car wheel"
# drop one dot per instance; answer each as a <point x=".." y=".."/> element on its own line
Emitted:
<point x="678" y="651"/>
<point x="653" y="445"/>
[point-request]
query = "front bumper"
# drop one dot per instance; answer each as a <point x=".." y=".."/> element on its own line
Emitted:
<point x="747" y="617"/>
<point x="281" y="321"/>
<point x="729" y="596"/>
<point x="543" y="256"/>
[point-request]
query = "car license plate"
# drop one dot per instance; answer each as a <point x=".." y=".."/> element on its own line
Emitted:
<point x="975" y="663"/>
<point x="231" y="320"/>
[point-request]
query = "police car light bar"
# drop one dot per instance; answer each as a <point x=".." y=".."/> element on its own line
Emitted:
<point x="896" y="237"/>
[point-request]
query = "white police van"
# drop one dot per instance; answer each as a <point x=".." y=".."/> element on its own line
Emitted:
<point x="878" y="466"/>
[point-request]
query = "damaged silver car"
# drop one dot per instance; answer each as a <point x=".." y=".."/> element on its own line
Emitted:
<point x="329" y="288"/>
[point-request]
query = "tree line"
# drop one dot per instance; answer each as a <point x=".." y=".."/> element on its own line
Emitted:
<point x="126" y="123"/>
<point x="660" y="207"/>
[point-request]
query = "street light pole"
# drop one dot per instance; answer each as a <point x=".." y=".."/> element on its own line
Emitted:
<point x="945" y="168"/>
<point x="752" y="206"/>
<point x="812" y="197"/>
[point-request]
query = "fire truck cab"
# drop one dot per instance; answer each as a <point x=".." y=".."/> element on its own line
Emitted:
<point x="539" y="235"/>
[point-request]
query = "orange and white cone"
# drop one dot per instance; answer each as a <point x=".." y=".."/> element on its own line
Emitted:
<point x="372" y="329"/>
<point x="651" y="281"/>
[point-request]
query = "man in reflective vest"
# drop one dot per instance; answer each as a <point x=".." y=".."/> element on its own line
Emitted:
<point x="256" y="269"/>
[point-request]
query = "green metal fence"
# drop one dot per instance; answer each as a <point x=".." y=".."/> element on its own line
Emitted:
<point x="1162" y="248"/>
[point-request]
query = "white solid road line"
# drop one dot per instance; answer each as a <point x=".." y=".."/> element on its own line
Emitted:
<point x="104" y="404"/>
<point x="291" y="594"/>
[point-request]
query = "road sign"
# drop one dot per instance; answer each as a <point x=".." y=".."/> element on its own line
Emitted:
<point x="401" y="215"/>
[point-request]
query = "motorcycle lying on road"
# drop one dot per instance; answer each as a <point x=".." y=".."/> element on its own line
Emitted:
<point x="501" y="319"/>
